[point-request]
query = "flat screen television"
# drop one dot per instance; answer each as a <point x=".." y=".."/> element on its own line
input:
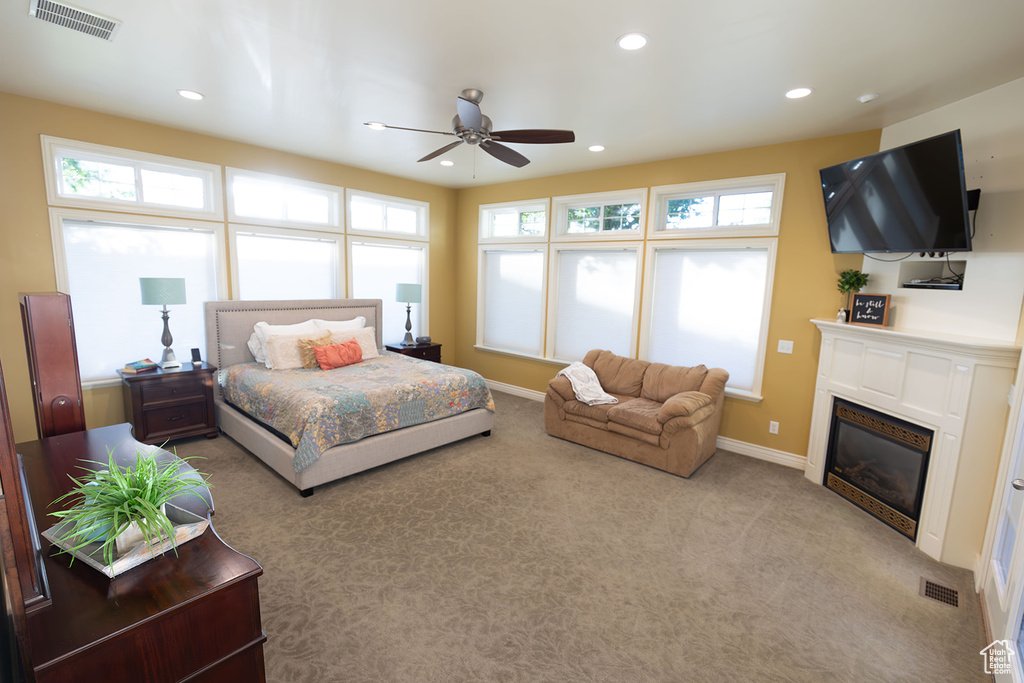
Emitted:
<point x="911" y="198"/>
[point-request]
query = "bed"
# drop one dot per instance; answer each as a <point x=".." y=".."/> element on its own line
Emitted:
<point x="229" y="325"/>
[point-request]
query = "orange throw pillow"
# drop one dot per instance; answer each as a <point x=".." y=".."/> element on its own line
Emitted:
<point x="338" y="355"/>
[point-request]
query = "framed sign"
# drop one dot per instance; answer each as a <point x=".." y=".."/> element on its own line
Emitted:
<point x="870" y="309"/>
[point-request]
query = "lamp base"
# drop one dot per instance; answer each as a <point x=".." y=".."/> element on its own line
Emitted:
<point x="169" y="361"/>
<point x="408" y="341"/>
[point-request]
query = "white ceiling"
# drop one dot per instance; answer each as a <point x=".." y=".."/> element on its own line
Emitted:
<point x="304" y="76"/>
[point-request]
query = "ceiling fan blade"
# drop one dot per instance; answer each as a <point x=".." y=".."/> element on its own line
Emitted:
<point x="539" y="136"/>
<point x="439" y="152"/>
<point x="416" y="130"/>
<point x="469" y="113"/>
<point x="503" y="153"/>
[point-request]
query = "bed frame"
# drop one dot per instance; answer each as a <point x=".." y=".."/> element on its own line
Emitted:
<point x="228" y="327"/>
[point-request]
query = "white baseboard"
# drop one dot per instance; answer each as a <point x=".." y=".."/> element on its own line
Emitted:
<point x="742" y="447"/>
<point x="515" y="391"/>
<point x="797" y="462"/>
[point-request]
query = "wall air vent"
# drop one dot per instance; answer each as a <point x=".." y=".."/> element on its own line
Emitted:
<point x="75" y="19"/>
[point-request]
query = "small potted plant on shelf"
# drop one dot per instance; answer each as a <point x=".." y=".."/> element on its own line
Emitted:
<point x="850" y="282"/>
<point x="121" y="507"/>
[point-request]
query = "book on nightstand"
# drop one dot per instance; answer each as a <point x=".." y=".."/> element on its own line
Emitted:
<point x="138" y="366"/>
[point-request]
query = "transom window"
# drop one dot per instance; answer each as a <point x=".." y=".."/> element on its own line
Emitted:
<point x="600" y="216"/>
<point x="742" y="207"/>
<point x="276" y="200"/>
<point x="375" y="214"/>
<point x="517" y="221"/>
<point x="93" y="176"/>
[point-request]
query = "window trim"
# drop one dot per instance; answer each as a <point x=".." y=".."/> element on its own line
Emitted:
<point x="422" y="208"/>
<point x="336" y="195"/>
<point x="485" y="237"/>
<point x="321" y="235"/>
<point x="661" y="194"/>
<point x="213" y="191"/>
<point x="560" y="215"/>
<point x="737" y="244"/>
<point x="481" y="290"/>
<point x="59" y="214"/>
<point x="552" y="291"/>
<point x="409" y="244"/>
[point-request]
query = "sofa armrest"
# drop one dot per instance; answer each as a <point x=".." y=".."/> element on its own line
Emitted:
<point x="714" y="383"/>
<point x="561" y="386"/>
<point x="683" y="404"/>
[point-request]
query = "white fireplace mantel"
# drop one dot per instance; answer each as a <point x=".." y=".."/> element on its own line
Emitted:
<point x="957" y="386"/>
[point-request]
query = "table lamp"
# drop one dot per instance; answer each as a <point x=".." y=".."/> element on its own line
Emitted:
<point x="164" y="291"/>
<point x="408" y="294"/>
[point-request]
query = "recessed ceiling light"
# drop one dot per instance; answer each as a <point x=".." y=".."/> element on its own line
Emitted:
<point x="867" y="97"/>
<point x="632" y="41"/>
<point x="797" y="93"/>
<point x="375" y="125"/>
<point x="596" y="148"/>
<point x="190" y="94"/>
<point x="446" y="162"/>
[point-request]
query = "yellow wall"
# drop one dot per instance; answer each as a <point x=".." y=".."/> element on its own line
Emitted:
<point x="26" y="252"/>
<point x="805" y="273"/>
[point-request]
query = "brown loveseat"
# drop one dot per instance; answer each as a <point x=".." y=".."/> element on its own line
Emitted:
<point x="667" y="417"/>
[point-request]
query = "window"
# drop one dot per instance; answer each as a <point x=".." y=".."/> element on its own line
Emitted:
<point x="372" y="213"/>
<point x="102" y="257"/>
<point x="276" y="200"/>
<point x="600" y="216"/>
<point x="594" y="301"/>
<point x="97" y="177"/>
<point x="708" y="304"/>
<point x="517" y="221"/>
<point x="377" y="266"/>
<point x="276" y="263"/>
<point x="510" y="300"/>
<point x="748" y="207"/>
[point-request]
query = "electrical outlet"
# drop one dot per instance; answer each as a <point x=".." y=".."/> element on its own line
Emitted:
<point x="773" y="427"/>
<point x="785" y="346"/>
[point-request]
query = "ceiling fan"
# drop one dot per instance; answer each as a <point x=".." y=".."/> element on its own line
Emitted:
<point x="470" y="126"/>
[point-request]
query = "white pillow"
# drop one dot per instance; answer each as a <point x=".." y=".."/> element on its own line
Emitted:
<point x="356" y="323"/>
<point x="256" y="349"/>
<point x="365" y="337"/>
<point x="283" y="350"/>
<point x="264" y="330"/>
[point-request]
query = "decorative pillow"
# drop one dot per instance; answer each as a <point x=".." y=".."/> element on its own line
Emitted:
<point x="338" y="355"/>
<point x="366" y="338"/>
<point x="306" y="350"/>
<point x="256" y="348"/>
<point x="356" y="323"/>
<point x="265" y="330"/>
<point x="283" y="351"/>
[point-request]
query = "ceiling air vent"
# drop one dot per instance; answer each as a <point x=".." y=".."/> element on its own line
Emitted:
<point x="75" y="19"/>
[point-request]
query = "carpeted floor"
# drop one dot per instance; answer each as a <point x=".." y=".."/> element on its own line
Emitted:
<point x="521" y="557"/>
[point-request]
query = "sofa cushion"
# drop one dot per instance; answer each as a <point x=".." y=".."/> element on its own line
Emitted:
<point x="639" y="435"/>
<point x="683" y="405"/>
<point x="661" y="381"/>
<point x="640" y="414"/>
<point x="617" y="375"/>
<point x="597" y="412"/>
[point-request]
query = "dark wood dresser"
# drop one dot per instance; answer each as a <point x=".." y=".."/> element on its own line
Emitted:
<point x="431" y="352"/>
<point x="194" y="616"/>
<point x="170" y="404"/>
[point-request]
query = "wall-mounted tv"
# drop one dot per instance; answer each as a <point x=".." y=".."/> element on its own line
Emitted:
<point x="911" y="198"/>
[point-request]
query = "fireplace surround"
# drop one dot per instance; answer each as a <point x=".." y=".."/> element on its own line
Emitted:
<point x="954" y="386"/>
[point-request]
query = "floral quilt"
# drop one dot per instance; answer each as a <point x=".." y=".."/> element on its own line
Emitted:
<point x="318" y="409"/>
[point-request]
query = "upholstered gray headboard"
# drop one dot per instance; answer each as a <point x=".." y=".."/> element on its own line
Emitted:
<point x="229" y="323"/>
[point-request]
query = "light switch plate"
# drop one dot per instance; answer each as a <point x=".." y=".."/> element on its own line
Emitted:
<point x="785" y="346"/>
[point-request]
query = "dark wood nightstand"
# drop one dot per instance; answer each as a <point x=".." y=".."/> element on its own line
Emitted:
<point x="170" y="404"/>
<point x="422" y="351"/>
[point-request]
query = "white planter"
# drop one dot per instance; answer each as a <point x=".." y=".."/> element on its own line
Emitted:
<point x="132" y="536"/>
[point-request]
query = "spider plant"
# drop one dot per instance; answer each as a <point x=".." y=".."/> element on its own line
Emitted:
<point x="107" y="501"/>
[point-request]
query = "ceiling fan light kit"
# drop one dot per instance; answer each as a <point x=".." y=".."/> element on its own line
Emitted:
<point x="471" y="127"/>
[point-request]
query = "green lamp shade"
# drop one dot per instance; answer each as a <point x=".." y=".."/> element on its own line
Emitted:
<point x="408" y="294"/>
<point x="163" y="291"/>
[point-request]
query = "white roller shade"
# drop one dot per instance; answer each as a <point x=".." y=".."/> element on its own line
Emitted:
<point x="595" y="302"/>
<point x="513" y="297"/>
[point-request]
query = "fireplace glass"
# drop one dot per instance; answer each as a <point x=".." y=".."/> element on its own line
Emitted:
<point x="879" y="463"/>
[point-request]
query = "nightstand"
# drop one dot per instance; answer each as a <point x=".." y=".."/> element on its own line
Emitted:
<point x="170" y="404"/>
<point x="430" y="351"/>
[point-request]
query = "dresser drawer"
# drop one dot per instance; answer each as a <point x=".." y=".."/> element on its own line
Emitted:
<point x="174" y="419"/>
<point x="172" y="390"/>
